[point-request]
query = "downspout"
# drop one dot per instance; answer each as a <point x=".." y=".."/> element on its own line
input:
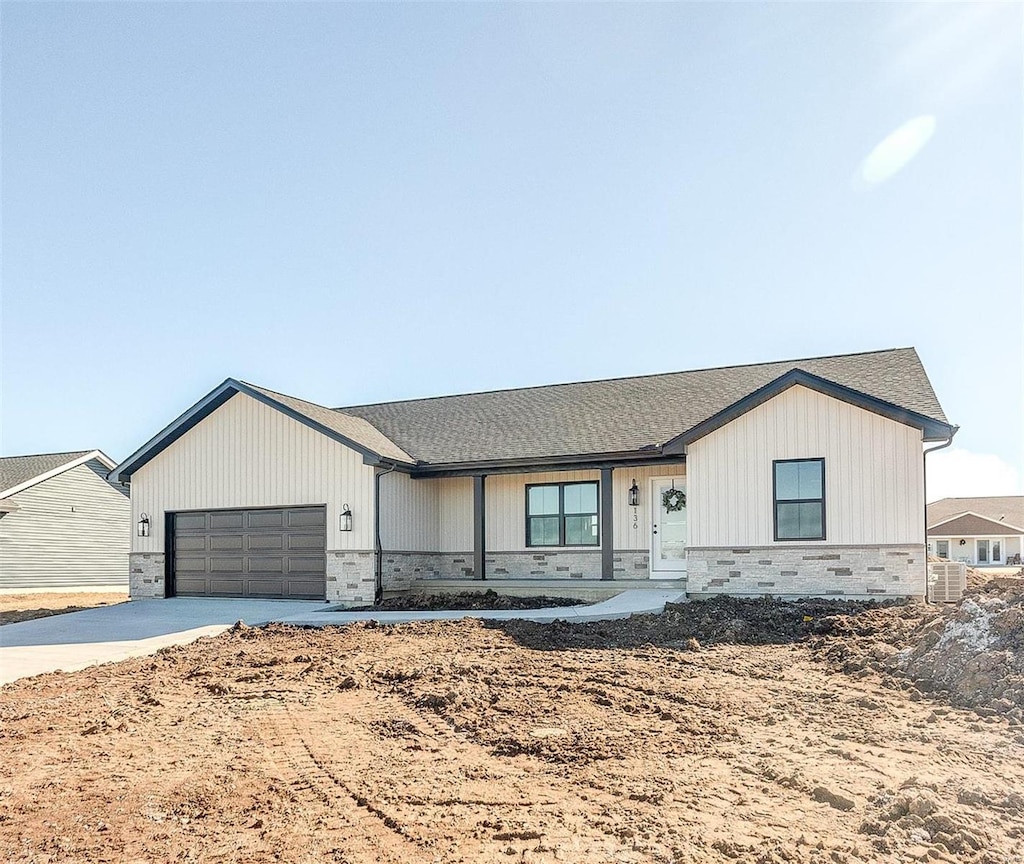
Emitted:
<point x="924" y="479"/>
<point x="378" y="549"/>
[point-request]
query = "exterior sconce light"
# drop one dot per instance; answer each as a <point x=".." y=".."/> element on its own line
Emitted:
<point x="345" y="523"/>
<point x="143" y="525"/>
<point x="634" y="495"/>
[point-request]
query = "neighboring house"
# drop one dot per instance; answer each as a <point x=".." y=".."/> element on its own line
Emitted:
<point x="801" y="477"/>
<point x="63" y="525"/>
<point x="977" y="531"/>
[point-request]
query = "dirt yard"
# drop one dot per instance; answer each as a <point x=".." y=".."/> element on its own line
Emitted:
<point x="25" y="607"/>
<point x="455" y="742"/>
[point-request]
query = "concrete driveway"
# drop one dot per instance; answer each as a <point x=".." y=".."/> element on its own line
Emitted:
<point x="107" y="633"/>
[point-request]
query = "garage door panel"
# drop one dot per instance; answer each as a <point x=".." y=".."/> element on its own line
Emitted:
<point x="266" y="519"/>
<point x="267" y="588"/>
<point x="307" y="518"/>
<point x="190" y="521"/>
<point x="190" y="544"/>
<point x="301" y="542"/>
<point x="276" y="552"/>
<point x="305" y="564"/>
<point x="222" y="519"/>
<point x="268" y="541"/>
<point x="264" y="564"/>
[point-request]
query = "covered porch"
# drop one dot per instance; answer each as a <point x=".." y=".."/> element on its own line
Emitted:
<point x="572" y="532"/>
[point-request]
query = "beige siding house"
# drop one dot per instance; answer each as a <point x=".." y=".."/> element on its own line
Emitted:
<point x="63" y="526"/>
<point x="983" y="532"/>
<point x="792" y="478"/>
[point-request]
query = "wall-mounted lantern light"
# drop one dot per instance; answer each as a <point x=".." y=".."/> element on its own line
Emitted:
<point x="345" y="523"/>
<point x="143" y="525"/>
<point x="634" y="494"/>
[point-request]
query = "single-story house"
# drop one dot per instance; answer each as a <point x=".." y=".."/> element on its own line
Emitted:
<point x="978" y="531"/>
<point x="801" y="477"/>
<point x="63" y="525"/>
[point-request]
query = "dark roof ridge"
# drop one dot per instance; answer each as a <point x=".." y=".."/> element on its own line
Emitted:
<point x="623" y="378"/>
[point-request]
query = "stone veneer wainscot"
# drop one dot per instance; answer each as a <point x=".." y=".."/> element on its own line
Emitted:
<point x="146" y="575"/>
<point x="824" y="571"/>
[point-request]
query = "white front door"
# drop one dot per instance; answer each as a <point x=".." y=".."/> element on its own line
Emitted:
<point x="668" y="527"/>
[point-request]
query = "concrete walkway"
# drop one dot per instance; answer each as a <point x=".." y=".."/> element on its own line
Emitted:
<point x="110" y="633"/>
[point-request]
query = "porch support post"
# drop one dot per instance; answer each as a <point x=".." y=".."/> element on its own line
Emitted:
<point x="607" y="523"/>
<point x="479" y="552"/>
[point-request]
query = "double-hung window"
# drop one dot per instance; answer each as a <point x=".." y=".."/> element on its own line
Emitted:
<point x="562" y="514"/>
<point x="799" y="486"/>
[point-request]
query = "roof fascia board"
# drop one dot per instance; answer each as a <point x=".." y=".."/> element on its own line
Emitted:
<point x="571" y="462"/>
<point x="210" y="403"/>
<point x="977" y="515"/>
<point x="933" y="430"/>
<point x="99" y="455"/>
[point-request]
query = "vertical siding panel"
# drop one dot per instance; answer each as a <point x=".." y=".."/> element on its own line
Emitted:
<point x="872" y="465"/>
<point x="70" y="531"/>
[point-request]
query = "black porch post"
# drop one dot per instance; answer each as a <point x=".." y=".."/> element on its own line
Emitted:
<point x="479" y="568"/>
<point x="607" y="535"/>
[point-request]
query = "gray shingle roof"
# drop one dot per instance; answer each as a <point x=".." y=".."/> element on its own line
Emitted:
<point x="354" y="428"/>
<point x="622" y="414"/>
<point x="1002" y="508"/>
<point x="15" y="470"/>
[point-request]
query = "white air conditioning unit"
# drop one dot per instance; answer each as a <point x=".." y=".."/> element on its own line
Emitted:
<point x="946" y="581"/>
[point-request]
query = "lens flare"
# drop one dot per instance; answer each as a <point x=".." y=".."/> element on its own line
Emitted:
<point x="896" y="150"/>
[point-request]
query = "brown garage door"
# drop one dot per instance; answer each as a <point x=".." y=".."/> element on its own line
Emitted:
<point x="250" y="553"/>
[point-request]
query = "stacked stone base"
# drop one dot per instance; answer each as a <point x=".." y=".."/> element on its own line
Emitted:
<point x="350" y="578"/>
<point x="146" y="575"/>
<point x="854" y="572"/>
<point x="402" y="569"/>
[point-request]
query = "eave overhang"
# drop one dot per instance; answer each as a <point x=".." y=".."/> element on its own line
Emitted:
<point x="931" y="429"/>
<point x="210" y="403"/>
<point x="566" y="462"/>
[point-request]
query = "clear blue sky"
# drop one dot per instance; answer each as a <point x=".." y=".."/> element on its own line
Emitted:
<point x="355" y="203"/>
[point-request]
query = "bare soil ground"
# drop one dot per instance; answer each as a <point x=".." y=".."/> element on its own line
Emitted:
<point x="25" y="607"/>
<point x="653" y="739"/>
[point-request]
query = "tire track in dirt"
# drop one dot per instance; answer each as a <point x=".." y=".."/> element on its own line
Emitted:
<point x="378" y="836"/>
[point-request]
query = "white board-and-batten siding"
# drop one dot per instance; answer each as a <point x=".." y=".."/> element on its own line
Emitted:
<point x="873" y="473"/>
<point x="427" y="515"/>
<point x="70" y="531"/>
<point x="436" y="514"/>
<point x="247" y="454"/>
<point x="505" y="504"/>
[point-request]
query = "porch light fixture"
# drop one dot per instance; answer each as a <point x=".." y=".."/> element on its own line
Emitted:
<point x="143" y="525"/>
<point x="345" y="523"/>
<point x="634" y="494"/>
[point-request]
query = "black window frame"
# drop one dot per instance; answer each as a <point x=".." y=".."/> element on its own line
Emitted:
<point x="561" y="515"/>
<point x="775" y="501"/>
